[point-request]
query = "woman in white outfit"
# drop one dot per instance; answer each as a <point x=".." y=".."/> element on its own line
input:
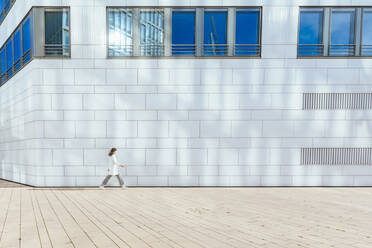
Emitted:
<point x="114" y="171"/>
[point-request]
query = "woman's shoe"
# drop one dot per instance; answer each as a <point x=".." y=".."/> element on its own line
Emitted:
<point x="123" y="186"/>
<point x="101" y="187"/>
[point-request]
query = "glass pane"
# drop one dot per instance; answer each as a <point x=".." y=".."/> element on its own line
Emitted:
<point x="342" y="32"/>
<point x="120" y="32"/>
<point x="26" y="38"/>
<point x="311" y="32"/>
<point x="367" y="32"/>
<point x="183" y="32"/>
<point x="17" y="50"/>
<point x="9" y="57"/>
<point x="57" y="33"/>
<point x="152" y="32"/>
<point x="215" y="33"/>
<point x="247" y="32"/>
<point x="3" y="62"/>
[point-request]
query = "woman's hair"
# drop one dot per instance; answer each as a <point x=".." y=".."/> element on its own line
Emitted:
<point x="112" y="151"/>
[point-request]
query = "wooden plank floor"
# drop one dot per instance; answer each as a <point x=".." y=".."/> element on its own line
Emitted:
<point x="186" y="217"/>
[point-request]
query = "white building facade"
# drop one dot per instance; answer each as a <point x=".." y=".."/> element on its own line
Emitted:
<point x="191" y="92"/>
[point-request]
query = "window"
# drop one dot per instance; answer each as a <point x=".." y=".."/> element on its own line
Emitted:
<point x="9" y="58"/>
<point x="57" y="32"/>
<point x="17" y="50"/>
<point x="311" y="32"/>
<point x="183" y="32"/>
<point x="5" y="6"/>
<point x="366" y="47"/>
<point x="3" y="65"/>
<point x="26" y="40"/>
<point x="120" y="32"/>
<point x="152" y="32"/>
<point x="247" y="32"/>
<point x="342" y="32"/>
<point x="335" y="32"/>
<point x="215" y="32"/>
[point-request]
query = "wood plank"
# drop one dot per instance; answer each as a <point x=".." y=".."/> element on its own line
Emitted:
<point x="55" y="229"/>
<point x="29" y="230"/>
<point x="11" y="234"/>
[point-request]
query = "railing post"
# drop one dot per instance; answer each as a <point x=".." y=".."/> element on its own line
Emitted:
<point x="230" y="31"/>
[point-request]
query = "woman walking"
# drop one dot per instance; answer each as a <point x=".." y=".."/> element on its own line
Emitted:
<point x="114" y="171"/>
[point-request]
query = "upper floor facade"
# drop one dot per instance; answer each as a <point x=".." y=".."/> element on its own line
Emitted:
<point x="111" y="29"/>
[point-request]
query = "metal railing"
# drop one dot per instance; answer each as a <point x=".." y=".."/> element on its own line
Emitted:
<point x="120" y="50"/>
<point x="341" y="49"/>
<point x="17" y="66"/>
<point x="183" y="49"/>
<point x="310" y="50"/>
<point x="56" y="50"/>
<point x="152" y="49"/>
<point x="366" y="50"/>
<point x="215" y="49"/>
<point x="247" y="50"/>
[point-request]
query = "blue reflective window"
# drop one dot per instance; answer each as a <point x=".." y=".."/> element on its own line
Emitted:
<point x="366" y="49"/>
<point x="215" y="32"/>
<point x="120" y="37"/>
<point x="17" y="50"/>
<point x="342" y="32"/>
<point x="247" y="32"/>
<point x="7" y="5"/>
<point x="57" y="33"/>
<point x="1" y="10"/>
<point x="311" y="32"/>
<point x="183" y="32"/>
<point x="26" y="40"/>
<point x="9" y="57"/>
<point x="3" y="64"/>
<point x="152" y="32"/>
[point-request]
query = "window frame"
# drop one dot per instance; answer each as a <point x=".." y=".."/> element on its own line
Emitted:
<point x="61" y="9"/>
<point x="327" y="18"/>
<point x="199" y="30"/>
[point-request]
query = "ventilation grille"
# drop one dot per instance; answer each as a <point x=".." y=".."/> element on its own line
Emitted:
<point x="337" y="101"/>
<point x="336" y="156"/>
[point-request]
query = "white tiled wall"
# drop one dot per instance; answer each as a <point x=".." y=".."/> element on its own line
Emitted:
<point x="179" y="122"/>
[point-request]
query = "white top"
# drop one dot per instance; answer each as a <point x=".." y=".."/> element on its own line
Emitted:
<point x="115" y="166"/>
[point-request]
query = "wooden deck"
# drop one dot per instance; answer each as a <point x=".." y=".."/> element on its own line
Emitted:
<point x="186" y="217"/>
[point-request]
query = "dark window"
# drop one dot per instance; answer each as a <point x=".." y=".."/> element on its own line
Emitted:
<point x="247" y="32"/>
<point x="9" y="57"/>
<point x="215" y="32"/>
<point x="366" y="49"/>
<point x="17" y="50"/>
<point x="342" y="32"/>
<point x="183" y="32"/>
<point x="311" y="32"/>
<point x="57" y="34"/>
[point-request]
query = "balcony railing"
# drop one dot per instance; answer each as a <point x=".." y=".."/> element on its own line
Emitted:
<point x="183" y="49"/>
<point x="152" y="49"/>
<point x="17" y="65"/>
<point x="117" y="50"/>
<point x="56" y="50"/>
<point x="366" y="50"/>
<point x="247" y="50"/>
<point x="310" y="50"/>
<point x="341" y="49"/>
